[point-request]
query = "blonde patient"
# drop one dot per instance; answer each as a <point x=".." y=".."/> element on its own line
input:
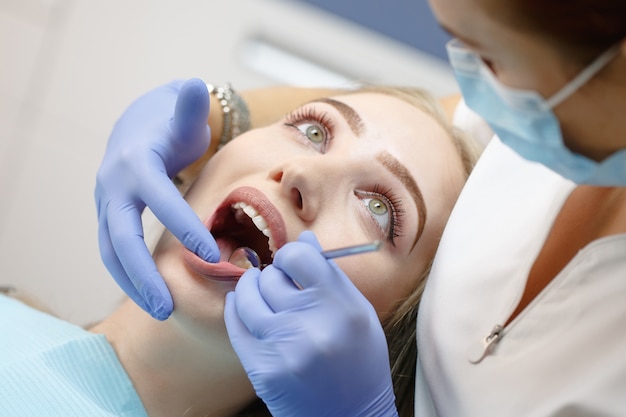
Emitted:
<point x="377" y="164"/>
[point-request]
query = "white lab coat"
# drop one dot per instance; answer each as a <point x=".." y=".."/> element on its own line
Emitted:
<point x="565" y="354"/>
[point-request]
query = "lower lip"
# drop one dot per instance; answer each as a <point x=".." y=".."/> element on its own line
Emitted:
<point x="221" y="271"/>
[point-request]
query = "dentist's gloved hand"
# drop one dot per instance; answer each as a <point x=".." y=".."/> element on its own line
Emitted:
<point x="158" y="135"/>
<point x="319" y="351"/>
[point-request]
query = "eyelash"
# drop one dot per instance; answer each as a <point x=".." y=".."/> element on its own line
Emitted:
<point x="322" y="120"/>
<point x="311" y="115"/>
<point x="397" y="212"/>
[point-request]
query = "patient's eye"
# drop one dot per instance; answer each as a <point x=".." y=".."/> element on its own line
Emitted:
<point x="313" y="132"/>
<point x="385" y="209"/>
<point x="379" y="211"/>
<point x="315" y="127"/>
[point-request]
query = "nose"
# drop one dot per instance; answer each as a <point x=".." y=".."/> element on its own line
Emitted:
<point x="308" y="184"/>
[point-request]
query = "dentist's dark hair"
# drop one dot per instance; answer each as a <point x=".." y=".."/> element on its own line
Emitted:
<point x="579" y="29"/>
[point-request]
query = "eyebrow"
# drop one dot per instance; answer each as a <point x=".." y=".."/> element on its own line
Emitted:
<point x="402" y="173"/>
<point x="390" y="162"/>
<point x="352" y="117"/>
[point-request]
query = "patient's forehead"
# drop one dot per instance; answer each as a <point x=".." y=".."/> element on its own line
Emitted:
<point x="387" y="107"/>
<point x="402" y="119"/>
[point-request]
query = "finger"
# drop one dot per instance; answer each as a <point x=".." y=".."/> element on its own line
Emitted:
<point x="252" y="309"/>
<point x="191" y="114"/>
<point x="188" y="133"/>
<point x="165" y="201"/>
<point x="279" y="291"/>
<point x="248" y="348"/>
<point x="330" y="275"/>
<point x="305" y="265"/>
<point x="126" y="234"/>
<point x="113" y="265"/>
<point x="238" y="333"/>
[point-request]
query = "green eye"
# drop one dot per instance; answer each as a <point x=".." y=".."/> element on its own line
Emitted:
<point x="314" y="129"/>
<point x="315" y="134"/>
<point x="379" y="210"/>
<point x="377" y="206"/>
<point x="384" y="208"/>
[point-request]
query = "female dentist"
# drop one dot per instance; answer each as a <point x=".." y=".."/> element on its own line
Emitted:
<point x="530" y="273"/>
<point x="523" y="311"/>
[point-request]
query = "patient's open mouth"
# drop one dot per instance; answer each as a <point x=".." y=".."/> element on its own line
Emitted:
<point x="240" y="226"/>
<point x="245" y="218"/>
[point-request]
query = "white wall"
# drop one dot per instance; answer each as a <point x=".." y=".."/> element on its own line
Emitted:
<point x="70" y="67"/>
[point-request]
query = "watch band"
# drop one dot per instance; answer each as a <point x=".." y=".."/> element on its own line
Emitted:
<point x="235" y="111"/>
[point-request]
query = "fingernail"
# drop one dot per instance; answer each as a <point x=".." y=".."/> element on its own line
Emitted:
<point x="160" y="312"/>
<point x="209" y="255"/>
<point x="159" y="306"/>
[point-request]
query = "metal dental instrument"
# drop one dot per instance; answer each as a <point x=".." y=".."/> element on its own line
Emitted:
<point x="245" y="257"/>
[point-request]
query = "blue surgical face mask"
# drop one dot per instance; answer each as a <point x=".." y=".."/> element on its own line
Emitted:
<point x="525" y="121"/>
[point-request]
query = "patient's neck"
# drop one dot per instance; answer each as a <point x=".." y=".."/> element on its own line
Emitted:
<point x="173" y="373"/>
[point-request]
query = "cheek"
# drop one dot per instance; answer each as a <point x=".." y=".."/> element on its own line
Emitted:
<point x="237" y="158"/>
<point x="232" y="163"/>
<point x="379" y="279"/>
<point x="252" y="148"/>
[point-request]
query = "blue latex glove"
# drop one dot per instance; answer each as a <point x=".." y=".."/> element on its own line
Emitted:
<point x="319" y="351"/>
<point x="158" y="135"/>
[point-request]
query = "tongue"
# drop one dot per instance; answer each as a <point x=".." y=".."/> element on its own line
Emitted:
<point x="227" y="247"/>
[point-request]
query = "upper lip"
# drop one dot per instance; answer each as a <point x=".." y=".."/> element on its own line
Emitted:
<point x="262" y="205"/>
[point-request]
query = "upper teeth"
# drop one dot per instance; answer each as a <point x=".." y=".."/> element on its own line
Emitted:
<point x="258" y="221"/>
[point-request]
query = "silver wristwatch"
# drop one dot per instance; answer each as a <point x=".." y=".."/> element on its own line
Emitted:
<point x="234" y="109"/>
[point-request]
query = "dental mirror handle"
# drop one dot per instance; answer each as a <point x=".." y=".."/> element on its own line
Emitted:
<point x="246" y="257"/>
<point x="352" y="250"/>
